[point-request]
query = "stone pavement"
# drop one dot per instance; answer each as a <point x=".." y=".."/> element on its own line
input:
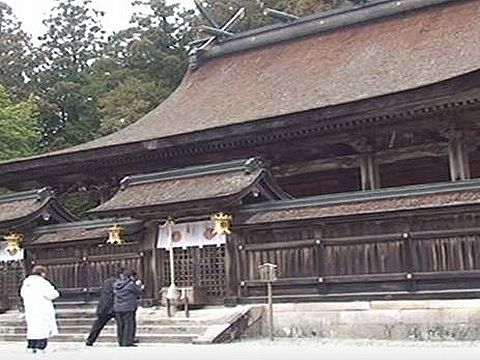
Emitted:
<point x="297" y="349"/>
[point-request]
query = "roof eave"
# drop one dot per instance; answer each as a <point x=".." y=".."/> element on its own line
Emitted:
<point x="438" y="94"/>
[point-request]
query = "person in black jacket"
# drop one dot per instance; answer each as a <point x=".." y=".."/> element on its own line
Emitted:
<point x="126" y="291"/>
<point x="104" y="310"/>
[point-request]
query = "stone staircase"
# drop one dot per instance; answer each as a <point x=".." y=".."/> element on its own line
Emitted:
<point x="207" y="325"/>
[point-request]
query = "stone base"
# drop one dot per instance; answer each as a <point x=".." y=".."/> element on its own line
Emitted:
<point x="418" y="320"/>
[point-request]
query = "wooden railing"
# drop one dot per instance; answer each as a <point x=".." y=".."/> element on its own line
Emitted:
<point x="417" y="262"/>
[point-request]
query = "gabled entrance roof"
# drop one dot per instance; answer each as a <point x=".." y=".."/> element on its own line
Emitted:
<point x="198" y="190"/>
<point x="22" y="209"/>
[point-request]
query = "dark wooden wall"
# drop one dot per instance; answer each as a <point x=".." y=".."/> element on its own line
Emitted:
<point x="79" y="270"/>
<point x="431" y="255"/>
<point x="12" y="274"/>
<point x="412" y="254"/>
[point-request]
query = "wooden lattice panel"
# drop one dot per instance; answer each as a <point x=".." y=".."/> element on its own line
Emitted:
<point x="197" y="266"/>
<point x="12" y="274"/>
<point x="211" y="270"/>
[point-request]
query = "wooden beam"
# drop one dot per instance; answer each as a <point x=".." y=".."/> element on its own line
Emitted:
<point x="412" y="152"/>
<point x="304" y="167"/>
<point x="352" y="161"/>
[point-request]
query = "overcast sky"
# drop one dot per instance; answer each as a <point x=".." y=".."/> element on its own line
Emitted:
<point x="117" y="13"/>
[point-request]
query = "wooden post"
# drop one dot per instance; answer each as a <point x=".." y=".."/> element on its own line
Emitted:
<point x="452" y="160"/>
<point x="369" y="174"/>
<point x="152" y="234"/>
<point x="169" y="310"/>
<point x="270" y="309"/>
<point x="463" y="160"/>
<point x="185" y="304"/>
<point x="231" y="270"/>
<point x="268" y="274"/>
<point x="458" y="157"/>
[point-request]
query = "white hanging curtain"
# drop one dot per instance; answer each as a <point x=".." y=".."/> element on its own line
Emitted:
<point x="185" y="235"/>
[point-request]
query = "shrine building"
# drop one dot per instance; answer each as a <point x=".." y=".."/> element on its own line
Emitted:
<point x="341" y="147"/>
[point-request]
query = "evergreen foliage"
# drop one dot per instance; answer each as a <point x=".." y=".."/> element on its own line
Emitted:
<point x="20" y="132"/>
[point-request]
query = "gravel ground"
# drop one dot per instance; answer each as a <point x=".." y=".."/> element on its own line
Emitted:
<point x="256" y="349"/>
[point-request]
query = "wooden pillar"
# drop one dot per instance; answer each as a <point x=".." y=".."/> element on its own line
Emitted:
<point x="151" y="234"/>
<point x="231" y="270"/>
<point x="458" y="157"/>
<point x="369" y="174"/>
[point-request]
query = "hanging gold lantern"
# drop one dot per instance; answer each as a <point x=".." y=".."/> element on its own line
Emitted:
<point x="14" y="241"/>
<point x="115" y="235"/>
<point x="222" y="223"/>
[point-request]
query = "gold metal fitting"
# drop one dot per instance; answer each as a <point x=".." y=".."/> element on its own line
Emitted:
<point x="115" y="235"/>
<point x="14" y="241"/>
<point x="222" y="223"/>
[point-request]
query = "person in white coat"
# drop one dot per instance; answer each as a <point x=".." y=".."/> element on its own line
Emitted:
<point x="37" y="294"/>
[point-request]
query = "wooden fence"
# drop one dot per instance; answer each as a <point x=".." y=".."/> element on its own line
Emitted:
<point x="78" y="272"/>
<point x="423" y="263"/>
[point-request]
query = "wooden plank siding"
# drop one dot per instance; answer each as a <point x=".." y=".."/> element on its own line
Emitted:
<point x="401" y="262"/>
<point x="80" y="270"/>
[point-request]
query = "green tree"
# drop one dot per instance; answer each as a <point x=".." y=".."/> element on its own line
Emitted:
<point x="15" y="47"/>
<point x="20" y="133"/>
<point x="149" y="62"/>
<point x="72" y="43"/>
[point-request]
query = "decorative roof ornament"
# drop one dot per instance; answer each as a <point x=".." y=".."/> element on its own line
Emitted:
<point x="115" y="235"/>
<point x="14" y="241"/>
<point x="214" y="29"/>
<point x="222" y="223"/>
<point x="286" y="17"/>
<point x="252" y="164"/>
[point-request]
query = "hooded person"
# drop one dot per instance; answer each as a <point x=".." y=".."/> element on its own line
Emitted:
<point x="126" y="290"/>
<point x="38" y="295"/>
<point x="104" y="310"/>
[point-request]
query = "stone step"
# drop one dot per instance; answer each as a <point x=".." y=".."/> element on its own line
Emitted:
<point x="111" y="329"/>
<point x="75" y="305"/>
<point x="60" y="314"/>
<point x="143" y="321"/>
<point x="68" y="314"/>
<point x="110" y="338"/>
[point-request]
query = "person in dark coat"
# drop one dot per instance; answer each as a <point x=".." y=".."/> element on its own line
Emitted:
<point x="104" y="310"/>
<point x="127" y="290"/>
